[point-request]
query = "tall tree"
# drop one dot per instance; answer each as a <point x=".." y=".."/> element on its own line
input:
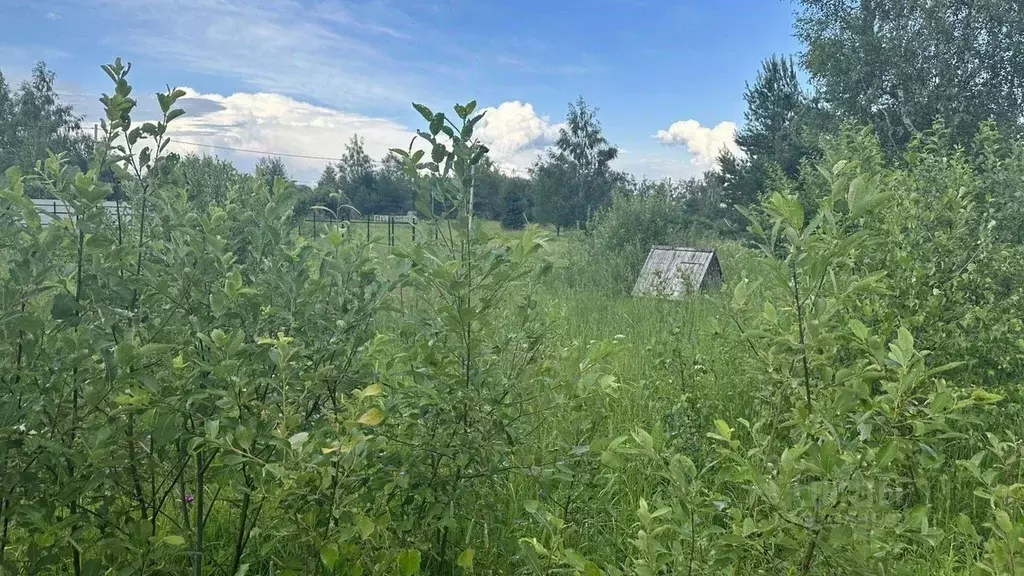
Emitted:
<point x="34" y="121"/>
<point x="206" y="179"/>
<point x="395" y="190"/>
<point x="45" y="123"/>
<point x="7" y="133"/>
<point x="515" y="205"/>
<point x="781" y="127"/>
<point x="576" y="177"/>
<point x="773" y="122"/>
<point x="357" y="178"/>
<point x="270" y="167"/>
<point x="899" y="64"/>
<point x="327" y="194"/>
<point x="487" y="193"/>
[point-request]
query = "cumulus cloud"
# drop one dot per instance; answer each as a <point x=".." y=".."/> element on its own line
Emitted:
<point x="516" y="134"/>
<point x="265" y="122"/>
<point x="703" y="143"/>
<point x="275" y="123"/>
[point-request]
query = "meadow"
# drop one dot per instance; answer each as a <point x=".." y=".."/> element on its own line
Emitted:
<point x="203" y="388"/>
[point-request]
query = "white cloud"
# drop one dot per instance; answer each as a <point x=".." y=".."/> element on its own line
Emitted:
<point x="515" y="134"/>
<point x="703" y="143"/>
<point x="278" y="124"/>
<point x="275" y="123"/>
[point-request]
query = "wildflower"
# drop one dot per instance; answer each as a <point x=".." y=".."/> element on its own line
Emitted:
<point x="189" y="499"/>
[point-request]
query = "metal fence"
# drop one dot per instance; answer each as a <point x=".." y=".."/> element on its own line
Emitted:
<point x="52" y="209"/>
<point x="368" y="222"/>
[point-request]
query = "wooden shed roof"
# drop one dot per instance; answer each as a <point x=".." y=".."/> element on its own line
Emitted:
<point x="672" y="271"/>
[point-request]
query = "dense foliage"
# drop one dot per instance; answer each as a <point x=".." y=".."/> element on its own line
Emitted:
<point x="191" y="383"/>
<point x="576" y="179"/>
<point x="33" y="120"/>
<point x="899" y="64"/>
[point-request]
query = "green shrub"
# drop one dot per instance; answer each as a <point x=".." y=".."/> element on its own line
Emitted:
<point x="191" y="387"/>
<point x="618" y="238"/>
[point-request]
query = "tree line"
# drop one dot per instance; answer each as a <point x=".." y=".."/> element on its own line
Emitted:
<point x="895" y="65"/>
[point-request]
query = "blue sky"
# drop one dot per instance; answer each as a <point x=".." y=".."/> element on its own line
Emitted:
<point x="301" y="76"/>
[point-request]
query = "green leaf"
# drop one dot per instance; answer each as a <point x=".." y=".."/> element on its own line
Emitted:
<point x="686" y="465"/>
<point x="64" y="307"/>
<point x="371" y="390"/>
<point x="424" y="111"/>
<point x="436" y="123"/>
<point x="984" y="396"/>
<point x="25" y="321"/>
<point x="329" y="556"/>
<point x="841" y="535"/>
<point x="858" y="188"/>
<point x="1003" y="521"/>
<point x="789" y="209"/>
<point x="643" y="439"/>
<point x="479" y="154"/>
<point x="611" y="459"/>
<point x="465" y="560"/>
<point x="749" y="526"/>
<point x="471" y="107"/>
<point x="371" y="417"/>
<point x="965" y="527"/>
<point x="859" y="329"/>
<point x="365" y="526"/>
<point x="438" y="152"/>
<point x="297" y="440"/>
<point x="723" y="429"/>
<point x="467" y="130"/>
<point x="887" y="454"/>
<point x="408" y="562"/>
<point x="110" y="72"/>
<point x="574" y="558"/>
<point x="154" y="349"/>
<point x="173" y="540"/>
<point x="173" y="114"/>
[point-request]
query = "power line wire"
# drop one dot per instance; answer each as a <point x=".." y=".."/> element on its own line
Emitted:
<point x="265" y="153"/>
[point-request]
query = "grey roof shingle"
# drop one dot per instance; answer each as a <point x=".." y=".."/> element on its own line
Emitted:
<point x="673" y="272"/>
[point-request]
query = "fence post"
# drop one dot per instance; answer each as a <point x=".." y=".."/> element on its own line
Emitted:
<point x="367" y="228"/>
<point x="391" y="230"/>
<point x="413" y="230"/>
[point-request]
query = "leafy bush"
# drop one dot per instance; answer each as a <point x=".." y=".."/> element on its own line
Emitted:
<point x="863" y="451"/>
<point x="190" y="386"/>
<point x="163" y="396"/>
<point x="619" y="237"/>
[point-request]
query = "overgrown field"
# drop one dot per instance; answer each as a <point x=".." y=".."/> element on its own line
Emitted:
<point x="202" y="389"/>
